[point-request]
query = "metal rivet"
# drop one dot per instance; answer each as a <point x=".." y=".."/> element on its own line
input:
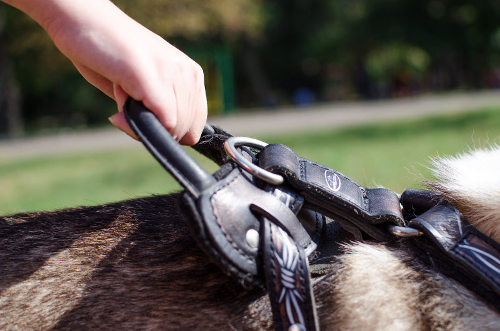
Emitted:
<point x="252" y="238"/>
<point x="404" y="231"/>
<point x="296" y="327"/>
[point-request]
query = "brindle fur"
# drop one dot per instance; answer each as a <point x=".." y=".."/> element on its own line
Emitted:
<point x="133" y="265"/>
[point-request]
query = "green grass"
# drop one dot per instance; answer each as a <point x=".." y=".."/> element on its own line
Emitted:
<point x="86" y="179"/>
<point x="394" y="155"/>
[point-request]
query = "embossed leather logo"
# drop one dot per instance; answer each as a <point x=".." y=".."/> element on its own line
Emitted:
<point x="332" y="180"/>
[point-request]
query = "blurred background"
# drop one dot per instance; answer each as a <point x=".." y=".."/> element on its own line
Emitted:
<point x="262" y="56"/>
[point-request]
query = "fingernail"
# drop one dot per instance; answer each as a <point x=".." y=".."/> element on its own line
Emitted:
<point x="118" y="120"/>
<point x="112" y="119"/>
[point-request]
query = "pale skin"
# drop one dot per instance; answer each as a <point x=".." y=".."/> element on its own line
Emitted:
<point x="122" y="58"/>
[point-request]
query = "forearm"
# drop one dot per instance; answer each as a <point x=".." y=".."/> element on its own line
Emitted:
<point x="38" y="10"/>
<point x="88" y="32"/>
<point x="43" y="12"/>
<point x="52" y="13"/>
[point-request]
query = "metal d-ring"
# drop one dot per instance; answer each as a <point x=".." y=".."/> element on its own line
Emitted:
<point x="230" y="147"/>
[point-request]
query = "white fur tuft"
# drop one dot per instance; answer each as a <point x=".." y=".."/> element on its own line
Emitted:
<point x="472" y="182"/>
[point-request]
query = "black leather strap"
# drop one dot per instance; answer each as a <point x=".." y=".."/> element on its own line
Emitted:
<point x="335" y="195"/>
<point x="287" y="280"/>
<point x="416" y="202"/>
<point x="223" y="214"/>
<point x="480" y="256"/>
<point x="459" y="251"/>
<point x="211" y="144"/>
<point x="453" y="246"/>
<point x="165" y="149"/>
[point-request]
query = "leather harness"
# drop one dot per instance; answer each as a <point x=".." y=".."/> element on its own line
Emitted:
<point x="266" y="210"/>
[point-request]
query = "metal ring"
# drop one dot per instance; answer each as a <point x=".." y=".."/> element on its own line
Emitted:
<point x="230" y="147"/>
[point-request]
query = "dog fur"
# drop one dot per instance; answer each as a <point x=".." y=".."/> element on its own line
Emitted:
<point x="471" y="182"/>
<point x="133" y="265"/>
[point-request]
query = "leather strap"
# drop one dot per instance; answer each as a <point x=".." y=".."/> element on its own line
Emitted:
<point x="165" y="149"/>
<point x="211" y="144"/>
<point x="416" y="202"/>
<point x="335" y="195"/>
<point x="222" y="216"/>
<point x="453" y="246"/>
<point x="287" y="280"/>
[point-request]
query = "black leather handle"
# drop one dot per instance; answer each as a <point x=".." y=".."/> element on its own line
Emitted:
<point x="165" y="149"/>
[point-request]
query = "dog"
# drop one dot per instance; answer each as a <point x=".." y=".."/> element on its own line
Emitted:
<point x="134" y="265"/>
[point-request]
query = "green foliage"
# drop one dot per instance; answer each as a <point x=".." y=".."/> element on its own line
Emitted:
<point x="197" y="19"/>
<point x="429" y="44"/>
<point x="337" y="49"/>
<point x="389" y="60"/>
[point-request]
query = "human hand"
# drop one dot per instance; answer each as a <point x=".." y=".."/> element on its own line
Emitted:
<point x="122" y="58"/>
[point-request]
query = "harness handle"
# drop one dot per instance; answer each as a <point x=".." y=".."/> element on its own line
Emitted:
<point x="165" y="149"/>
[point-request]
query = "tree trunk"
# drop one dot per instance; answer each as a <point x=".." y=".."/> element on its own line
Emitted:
<point x="11" y="122"/>
<point x="258" y="80"/>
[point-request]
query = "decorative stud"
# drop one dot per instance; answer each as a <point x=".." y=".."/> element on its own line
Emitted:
<point x="252" y="238"/>
<point x="296" y="327"/>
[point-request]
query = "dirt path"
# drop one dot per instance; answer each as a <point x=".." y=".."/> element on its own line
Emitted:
<point x="332" y="115"/>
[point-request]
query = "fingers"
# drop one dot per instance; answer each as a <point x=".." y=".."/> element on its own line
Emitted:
<point x="96" y="79"/>
<point x="118" y="120"/>
<point x="200" y="117"/>
<point x="176" y="95"/>
<point x="152" y="71"/>
<point x="120" y="96"/>
<point x="113" y="91"/>
<point x="179" y="103"/>
<point x="164" y="104"/>
<point x="193" y="113"/>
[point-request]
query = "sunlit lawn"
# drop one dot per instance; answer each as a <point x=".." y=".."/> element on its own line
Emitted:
<point x="394" y="155"/>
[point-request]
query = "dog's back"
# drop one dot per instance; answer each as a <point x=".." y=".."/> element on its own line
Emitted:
<point x="130" y="265"/>
<point x="133" y="265"/>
